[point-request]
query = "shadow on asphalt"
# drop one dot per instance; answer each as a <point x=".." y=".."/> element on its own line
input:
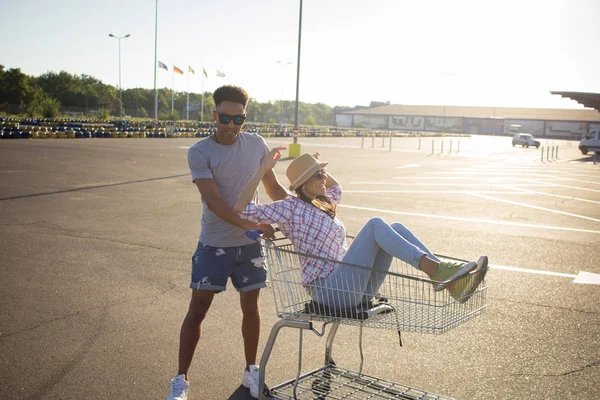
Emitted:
<point x="241" y="393"/>
<point x="93" y="187"/>
<point x="589" y="158"/>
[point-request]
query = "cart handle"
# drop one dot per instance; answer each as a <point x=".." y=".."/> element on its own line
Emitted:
<point x="254" y="234"/>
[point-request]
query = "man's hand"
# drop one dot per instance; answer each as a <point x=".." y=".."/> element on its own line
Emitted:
<point x="267" y="230"/>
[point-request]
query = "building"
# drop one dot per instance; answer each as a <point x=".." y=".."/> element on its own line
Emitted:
<point x="540" y="122"/>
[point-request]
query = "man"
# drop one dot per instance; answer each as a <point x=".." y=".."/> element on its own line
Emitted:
<point x="221" y="165"/>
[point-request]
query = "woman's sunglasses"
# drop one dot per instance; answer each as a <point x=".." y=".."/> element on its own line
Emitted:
<point x="320" y="174"/>
<point x="226" y="118"/>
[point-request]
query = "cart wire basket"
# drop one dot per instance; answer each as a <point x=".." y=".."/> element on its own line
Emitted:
<point x="332" y="382"/>
<point x="406" y="301"/>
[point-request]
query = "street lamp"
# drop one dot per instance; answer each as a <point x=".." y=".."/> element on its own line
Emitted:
<point x="297" y="148"/>
<point x="120" y="88"/>
<point x="283" y="64"/>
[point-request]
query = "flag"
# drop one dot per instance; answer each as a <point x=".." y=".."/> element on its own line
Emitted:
<point x="177" y="70"/>
<point x="163" y="66"/>
<point x="220" y="74"/>
<point x="205" y="74"/>
<point x="191" y="70"/>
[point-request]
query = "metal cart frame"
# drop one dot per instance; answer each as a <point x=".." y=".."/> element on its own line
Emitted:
<point x="407" y="301"/>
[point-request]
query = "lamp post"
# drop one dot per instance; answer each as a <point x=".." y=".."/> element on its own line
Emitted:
<point x="283" y="64"/>
<point x="156" y="63"/>
<point x="298" y="77"/>
<point x="120" y="88"/>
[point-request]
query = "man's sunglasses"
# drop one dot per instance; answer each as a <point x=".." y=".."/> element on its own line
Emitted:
<point x="226" y="118"/>
<point x="320" y="174"/>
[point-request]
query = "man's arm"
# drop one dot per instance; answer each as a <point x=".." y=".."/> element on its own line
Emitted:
<point x="211" y="196"/>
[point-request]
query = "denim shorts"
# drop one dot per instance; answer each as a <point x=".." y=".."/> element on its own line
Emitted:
<point x="245" y="265"/>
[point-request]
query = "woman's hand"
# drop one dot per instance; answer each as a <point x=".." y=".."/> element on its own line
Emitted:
<point x="272" y="158"/>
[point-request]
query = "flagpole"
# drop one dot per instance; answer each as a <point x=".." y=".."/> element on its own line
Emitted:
<point x="202" y="107"/>
<point x="187" y="107"/>
<point x="155" y="63"/>
<point x="173" y="91"/>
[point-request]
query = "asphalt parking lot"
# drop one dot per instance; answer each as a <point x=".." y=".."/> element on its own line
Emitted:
<point x="97" y="236"/>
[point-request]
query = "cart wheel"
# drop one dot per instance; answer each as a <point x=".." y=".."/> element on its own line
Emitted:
<point x="268" y="394"/>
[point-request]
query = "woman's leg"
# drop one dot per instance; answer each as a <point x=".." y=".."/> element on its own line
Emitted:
<point x="378" y="234"/>
<point x="373" y="248"/>
<point x="411" y="238"/>
<point x="383" y="259"/>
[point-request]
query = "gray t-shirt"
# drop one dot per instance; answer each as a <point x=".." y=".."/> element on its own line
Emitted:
<point x="231" y="167"/>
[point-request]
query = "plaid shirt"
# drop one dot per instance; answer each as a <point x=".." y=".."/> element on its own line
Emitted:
<point x="311" y="230"/>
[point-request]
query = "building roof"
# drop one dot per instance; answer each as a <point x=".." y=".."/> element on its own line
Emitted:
<point x="555" y="114"/>
<point x="591" y="100"/>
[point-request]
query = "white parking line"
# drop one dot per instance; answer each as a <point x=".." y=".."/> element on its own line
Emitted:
<point x="511" y="190"/>
<point x="439" y="191"/>
<point x="516" y="203"/>
<point x="568" y="186"/>
<point x="532" y="271"/>
<point x="451" y="184"/>
<point x="481" y="221"/>
<point x="500" y="175"/>
<point x="529" y="191"/>
<point x="409" y="166"/>
<point x="586" y="278"/>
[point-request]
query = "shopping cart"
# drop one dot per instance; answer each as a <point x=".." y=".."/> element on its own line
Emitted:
<point x="406" y="302"/>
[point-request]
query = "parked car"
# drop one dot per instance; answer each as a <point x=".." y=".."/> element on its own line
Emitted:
<point x="525" y="140"/>
<point x="590" y="142"/>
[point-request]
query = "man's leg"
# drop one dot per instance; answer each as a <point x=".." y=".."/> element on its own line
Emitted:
<point x="192" y="327"/>
<point x="249" y="302"/>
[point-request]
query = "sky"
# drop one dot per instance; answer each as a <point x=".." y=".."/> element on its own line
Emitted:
<point x="508" y="53"/>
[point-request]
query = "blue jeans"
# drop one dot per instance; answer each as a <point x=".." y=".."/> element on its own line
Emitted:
<point x="373" y="248"/>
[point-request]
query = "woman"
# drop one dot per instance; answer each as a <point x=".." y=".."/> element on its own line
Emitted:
<point x="310" y="221"/>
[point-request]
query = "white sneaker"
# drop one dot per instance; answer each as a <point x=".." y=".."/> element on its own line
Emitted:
<point x="179" y="388"/>
<point x="250" y="380"/>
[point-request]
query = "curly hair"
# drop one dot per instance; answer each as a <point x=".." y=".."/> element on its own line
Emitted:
<point x="231" y="93"/>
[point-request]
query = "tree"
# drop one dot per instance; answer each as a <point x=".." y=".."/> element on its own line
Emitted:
<point x="15" y="86"/>
<point x="310" y="120"/>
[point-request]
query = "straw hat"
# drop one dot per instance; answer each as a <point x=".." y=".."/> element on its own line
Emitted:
<point x="301" y="169"/>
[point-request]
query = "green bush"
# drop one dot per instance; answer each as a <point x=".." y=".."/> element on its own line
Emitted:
<point x="174" y="116"/>
<point x="103" y="114"/>
<point x="49" y="107"/>
<point x="310" y="120"/>
<point x="141" y="113"/>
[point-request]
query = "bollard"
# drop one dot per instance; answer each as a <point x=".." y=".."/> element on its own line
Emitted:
<point x="432" y="145"/>
<point x="458" y="147"/>
<point x="442" y="150"/>
<point x="542" y="154"/>
<point x="450" y="150"/>
<point x="595" y="154"/>
<point x="373" y="140"/>
<point x="557" y="152"/>
<point x="390" y="142"/>
<point x="419" y="143"/>
<point x="362" y="143"/>
<point x="547" y="153"/>
<point x="553" y="152"/>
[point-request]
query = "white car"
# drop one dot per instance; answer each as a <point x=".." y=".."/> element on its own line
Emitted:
<point x="590" y="142"/>
<point x="525" y="140"/>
